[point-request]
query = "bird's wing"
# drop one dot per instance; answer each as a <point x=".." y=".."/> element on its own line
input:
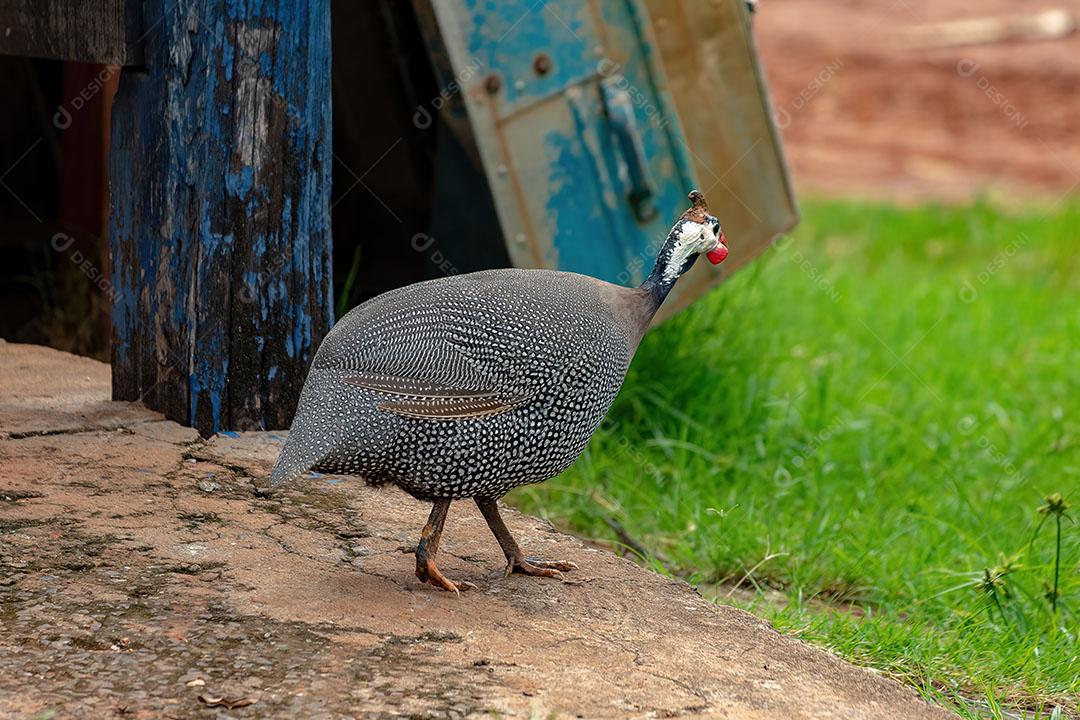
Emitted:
<point x="450" y="339"/>
<point x="475" y="345"/>
<point x="413" y="387"/>
<point x="455" y="409"/>
<point x="423" y="399"/>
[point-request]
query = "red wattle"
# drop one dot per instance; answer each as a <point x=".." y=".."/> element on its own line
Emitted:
<point x="717" y="255"/>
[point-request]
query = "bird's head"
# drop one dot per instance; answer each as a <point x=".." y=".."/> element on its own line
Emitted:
<point x="703" y="230"/>
<point x="694" y="233"/>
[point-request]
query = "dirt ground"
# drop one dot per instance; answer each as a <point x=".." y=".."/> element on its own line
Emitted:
<point x="863" y="115"/>
<point x="142" y="569"/>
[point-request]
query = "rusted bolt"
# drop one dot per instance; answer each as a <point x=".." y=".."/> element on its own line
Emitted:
<point x="492" y="83"/>
<point x="542" y="64"/>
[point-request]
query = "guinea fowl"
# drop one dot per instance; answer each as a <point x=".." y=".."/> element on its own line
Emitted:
<point x="471" y="385"/>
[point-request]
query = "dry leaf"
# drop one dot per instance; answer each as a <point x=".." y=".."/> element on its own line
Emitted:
<point x="227" y="703"/>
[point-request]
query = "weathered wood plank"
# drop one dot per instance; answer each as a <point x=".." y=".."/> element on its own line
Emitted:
<point x="108" y="32"/>
<point x="220" y="222"/>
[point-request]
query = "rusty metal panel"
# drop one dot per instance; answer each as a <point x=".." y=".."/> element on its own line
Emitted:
<point x="578" y="128"/>
<point x="717" y="84"/>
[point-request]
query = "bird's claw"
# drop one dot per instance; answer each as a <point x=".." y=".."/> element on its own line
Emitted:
<point x="539" y="567"/>
<point x="429" y="573"/>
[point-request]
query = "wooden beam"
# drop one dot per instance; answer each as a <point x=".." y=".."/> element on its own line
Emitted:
<point x="108" y="32"/>
<point x="220" y="220"/>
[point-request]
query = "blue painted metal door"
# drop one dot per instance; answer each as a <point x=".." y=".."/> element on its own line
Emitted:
<point x="579" y="139"/>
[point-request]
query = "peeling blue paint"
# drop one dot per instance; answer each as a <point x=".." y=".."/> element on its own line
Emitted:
<point x="504" y="38"/>
<point x="584" y="177"/>
<point x="198" y="315"/>
<point x="228" y="58"/>
<point x="239" y="184"/>
<point x="585" y="241"/>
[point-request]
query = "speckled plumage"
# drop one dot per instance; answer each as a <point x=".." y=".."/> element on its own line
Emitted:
<point x="471" y="385"/>
<point x="532" y="358"/>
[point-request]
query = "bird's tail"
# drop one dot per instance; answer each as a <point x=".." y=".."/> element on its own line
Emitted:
<point x="303" y="449"/>
<point x="294" y="461"/>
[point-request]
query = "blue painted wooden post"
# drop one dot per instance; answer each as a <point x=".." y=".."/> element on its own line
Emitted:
<point x="220" y="222"/>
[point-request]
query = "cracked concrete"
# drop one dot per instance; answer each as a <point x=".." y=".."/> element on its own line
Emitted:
<point x="141" y="568"/>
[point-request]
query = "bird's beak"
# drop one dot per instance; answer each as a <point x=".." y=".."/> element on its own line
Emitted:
<point x="719" y="253"/>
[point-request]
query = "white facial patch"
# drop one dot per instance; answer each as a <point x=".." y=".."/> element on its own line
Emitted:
<point x="691" y="239"/>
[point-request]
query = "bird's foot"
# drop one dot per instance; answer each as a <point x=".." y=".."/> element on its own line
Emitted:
<point x="539" y="567"/>
<point x="429" y="573"/>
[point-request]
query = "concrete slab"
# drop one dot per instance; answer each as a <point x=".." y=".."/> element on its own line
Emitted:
<point x="142" y="569"/>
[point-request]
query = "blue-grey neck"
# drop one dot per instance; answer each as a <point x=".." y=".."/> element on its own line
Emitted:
<point x="661" y="280"/>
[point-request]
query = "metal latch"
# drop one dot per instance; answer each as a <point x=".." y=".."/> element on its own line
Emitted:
<point x="619" y="108"/>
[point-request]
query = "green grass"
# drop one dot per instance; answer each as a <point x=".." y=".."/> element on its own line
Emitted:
<point x="851" y="433"/>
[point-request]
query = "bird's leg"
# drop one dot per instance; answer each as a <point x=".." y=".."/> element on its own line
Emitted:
<point x="428" y="548"/>
<point x="515" y="558"/>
